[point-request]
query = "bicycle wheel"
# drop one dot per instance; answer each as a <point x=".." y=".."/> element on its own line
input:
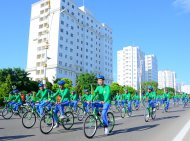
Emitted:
<point x="111" y="121"/>
<point x="80" y="115"/>
<point x="22" y="111"/>
<point x="146" y="115"/>
<point x="46" y="123"/>
<point x="28" y="119"/>
<point x="7" y="113"/>
<point x="123" y="112"/>
<point x="68" y="121"/>
<point x="90" y="126"/>
<point x="153" y="115"/>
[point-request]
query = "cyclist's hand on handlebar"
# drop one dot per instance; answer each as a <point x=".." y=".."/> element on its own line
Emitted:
<point x="101" y="102"/>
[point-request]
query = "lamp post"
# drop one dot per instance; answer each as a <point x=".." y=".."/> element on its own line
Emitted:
<point x="47" y="44"/>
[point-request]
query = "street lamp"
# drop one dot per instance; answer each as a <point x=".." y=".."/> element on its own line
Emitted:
<point x="47" y="45"/>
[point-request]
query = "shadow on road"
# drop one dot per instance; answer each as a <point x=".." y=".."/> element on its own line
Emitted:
<point x="6" y="138"/>
<point x="163" y="118"/>
<point x="176" y="111"/>
<point x="128" y="130"/>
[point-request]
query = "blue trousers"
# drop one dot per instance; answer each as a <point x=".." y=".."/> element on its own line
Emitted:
<point x="105" y="109"/>
<point x="74" y="104"/>
<point x="40" y="106"/>
<point x="86" y="106"/>
<point x="16" y="106"/>
<point x="137" y="102"/>
<point x="151" y="103"/>
<point x="167" y="100"/>
<point x="59" y="108"/>
<point x="128" y="104"/>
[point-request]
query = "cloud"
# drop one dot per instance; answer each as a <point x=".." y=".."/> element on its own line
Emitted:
<point x="183" y="5"/>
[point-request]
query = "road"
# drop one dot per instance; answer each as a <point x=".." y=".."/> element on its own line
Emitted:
<point x="166" y="127"/>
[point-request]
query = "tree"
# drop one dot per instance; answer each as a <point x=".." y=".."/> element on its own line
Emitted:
<point x="68" y="84"/>
<point x="86" y="81"/>
<point x="115" y="88"/>
<point x="152" y="83"/>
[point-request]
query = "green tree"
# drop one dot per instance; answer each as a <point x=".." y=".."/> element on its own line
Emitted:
<point x="152" y="83"/>
<point x="86" y="81"/>
<point x="115" y="88"/>
<point x="68" y="84"/>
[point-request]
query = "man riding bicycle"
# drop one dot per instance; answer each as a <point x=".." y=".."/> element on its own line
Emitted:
<point x="151" y="96"/>
<point x="166" y="99"/>
<point x="65" y="101"/>
<point x="126" y="99"/>
<point x="87" y="99"/>
<point x="103" y="101"/>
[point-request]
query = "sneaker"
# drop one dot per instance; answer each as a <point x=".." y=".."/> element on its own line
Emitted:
<point x="106" y="130"/>
<point x="61" y="117"/>
<point x="55" y="126"/>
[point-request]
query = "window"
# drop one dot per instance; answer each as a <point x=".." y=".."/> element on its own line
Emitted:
<point x="61" y="38"/>
<point x="62" y="22"/>
<point x="61" y="30"/>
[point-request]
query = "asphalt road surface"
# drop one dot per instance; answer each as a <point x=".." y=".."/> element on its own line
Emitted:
<point x="171" y="126"/>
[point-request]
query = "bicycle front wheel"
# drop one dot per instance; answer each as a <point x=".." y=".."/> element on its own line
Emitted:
<point x="22" y="111"/>
<point x="123" y="112"/>
<point x="153" y="115"/>
<point x="7" y="113"/>
<point x="80" y="114"/>
<point x="28" y="119"/>
<point x="111" y="121"/>
<point x="146" y="115"/>
<point x="46" y="123"/>
<point x="68" y="121"/>
<point x="90" y="126"/>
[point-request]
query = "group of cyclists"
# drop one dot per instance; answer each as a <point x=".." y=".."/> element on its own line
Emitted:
<point x="100" y="99"/>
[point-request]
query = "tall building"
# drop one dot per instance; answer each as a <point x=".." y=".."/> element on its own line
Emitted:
<point x="151" y="68"/>
<point x="185" y="89"/>
<point x="130" y="67"/>
<point x="166" y="79"/>
<point x="66" y="40"/>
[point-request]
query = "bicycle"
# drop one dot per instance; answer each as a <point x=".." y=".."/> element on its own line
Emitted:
<point x="90" y="125"/>
<point x="47" y="121"/>
<point x="124" y="110"/>
<point x="150" y="113"/>
<point x="135" y="105"/>
<point x="29" y="118"/>
<point x="8" y="111"/>
<point x="165" y="107"/>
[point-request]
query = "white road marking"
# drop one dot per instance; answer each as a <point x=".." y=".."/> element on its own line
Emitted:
<point x="180" y="136"/>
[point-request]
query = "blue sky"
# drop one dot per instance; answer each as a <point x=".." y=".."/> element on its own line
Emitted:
<point x="161" y="27"/>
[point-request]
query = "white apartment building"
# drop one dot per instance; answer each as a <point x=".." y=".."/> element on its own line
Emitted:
<point x="151" y="68"/>
<point x="66" y="40"/>
<point x="130" y="67"/>
<point x="166" y="79"/>
<point x="185" y="89"/>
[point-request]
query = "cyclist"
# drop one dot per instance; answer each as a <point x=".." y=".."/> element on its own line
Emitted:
<point x="118" y="99"/>
<point x="126" y="99"/>
<point x="65" y="100"/>
<point x="18" y="100"/>
<point x="74" y="100"/>
<point x="136" y="100"/>
<point x="43" y="94"/>
<point x="87" y="99"/>
<point x="104" y="100"/>
<point x="151" y="96"/>
<point x="166" y="99"/>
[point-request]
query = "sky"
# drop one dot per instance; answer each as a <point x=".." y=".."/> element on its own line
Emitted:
<point x="160" y="27"/>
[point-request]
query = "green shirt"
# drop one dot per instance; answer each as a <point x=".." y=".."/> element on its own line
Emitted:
<point x="118" y="97"/>
<point x="18" y="98"/>
<point x="64" y="93"/>
<point x="136" y="97"/>
<point x="166" y="95"/>
<point x="126" y="96"/>
<point x="43" y="94"/>
<point x="87" y="97"/>
<point x="151" y="95"/>
<point x="74" y="97"/>
<point x="12" y="97"/>
<point x="103" y="93"/>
